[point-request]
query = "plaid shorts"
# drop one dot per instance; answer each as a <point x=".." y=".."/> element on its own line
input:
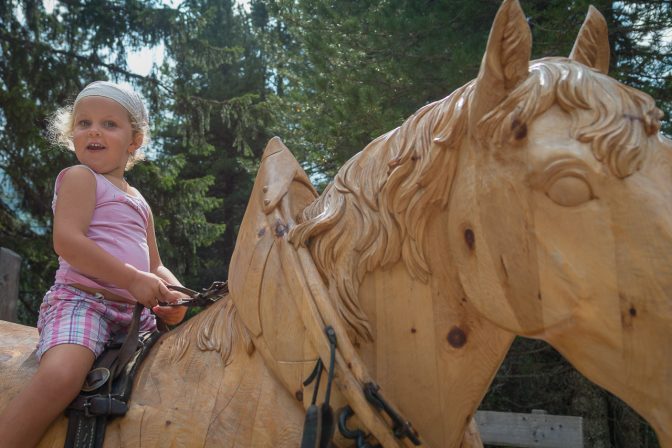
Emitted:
<point x="71" y="316"/>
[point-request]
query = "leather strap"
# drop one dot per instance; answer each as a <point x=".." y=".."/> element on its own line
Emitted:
<point x="317" y="312"/>
<point x="88" y="413"/>
<point x="130" y="345"/>
<point x="85" y="432"/>
<point x="97" y="405"/>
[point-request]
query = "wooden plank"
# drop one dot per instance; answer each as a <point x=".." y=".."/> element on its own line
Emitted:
<point x="10" y="265"/>
<point x="536" y="430"/>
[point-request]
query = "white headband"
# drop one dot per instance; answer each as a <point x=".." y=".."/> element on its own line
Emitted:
<point x="129" y="99"/>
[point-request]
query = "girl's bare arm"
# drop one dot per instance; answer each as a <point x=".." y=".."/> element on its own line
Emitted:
<point x="170" y="315"/>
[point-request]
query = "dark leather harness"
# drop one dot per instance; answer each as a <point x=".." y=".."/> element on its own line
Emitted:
<point x="109" y="384"/>
<point x="318" y="426"/>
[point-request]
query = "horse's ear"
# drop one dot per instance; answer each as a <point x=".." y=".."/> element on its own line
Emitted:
<point x="505" y="62"/>
<point x="592" y="44"/>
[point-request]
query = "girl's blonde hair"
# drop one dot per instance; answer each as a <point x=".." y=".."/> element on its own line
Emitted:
<point x="62" y="122"/>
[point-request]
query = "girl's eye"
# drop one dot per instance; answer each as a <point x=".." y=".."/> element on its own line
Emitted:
<point x="109" y="124"/>
<point x="83" y="123"/>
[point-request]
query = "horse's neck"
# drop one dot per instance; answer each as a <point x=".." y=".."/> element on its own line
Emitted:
<point x="432" y="354"/>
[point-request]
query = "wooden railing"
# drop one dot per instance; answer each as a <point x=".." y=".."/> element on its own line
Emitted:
<point x="535" y="430"/>
<point x="10" y="265"/>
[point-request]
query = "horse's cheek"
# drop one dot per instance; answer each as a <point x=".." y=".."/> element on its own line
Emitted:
<point x="508" y="227"/>
<point x="577" y="271"/>
<point x="491" y="246"/>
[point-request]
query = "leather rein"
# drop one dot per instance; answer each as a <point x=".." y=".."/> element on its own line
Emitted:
<point x="204" y="298"/>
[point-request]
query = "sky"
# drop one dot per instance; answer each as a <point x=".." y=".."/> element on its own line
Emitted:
<point x="141" y="61"/>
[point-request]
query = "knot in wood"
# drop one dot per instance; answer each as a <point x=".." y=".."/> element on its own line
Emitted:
<point x="280" y="229"/>
<point x="457" y="337"/>
<point x="470" y="238"/>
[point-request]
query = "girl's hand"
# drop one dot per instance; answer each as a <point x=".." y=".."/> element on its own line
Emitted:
<point x="148" y="289"/>
<point x="172" y="315"/>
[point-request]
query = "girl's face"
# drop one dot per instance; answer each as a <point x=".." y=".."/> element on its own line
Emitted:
<point x="103" y="135"/>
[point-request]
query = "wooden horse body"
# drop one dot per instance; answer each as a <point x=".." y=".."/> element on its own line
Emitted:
<point x="535" y="200"/>
<point x="202" y="385"/>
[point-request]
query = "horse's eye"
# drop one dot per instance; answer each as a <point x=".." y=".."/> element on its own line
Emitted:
<point x="570" y="191"/>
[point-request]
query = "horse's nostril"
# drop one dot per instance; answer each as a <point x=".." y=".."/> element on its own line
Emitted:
<point x="470" y="238"/>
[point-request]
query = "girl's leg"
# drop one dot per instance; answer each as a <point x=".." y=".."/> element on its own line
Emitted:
<point x="58" y="380"/>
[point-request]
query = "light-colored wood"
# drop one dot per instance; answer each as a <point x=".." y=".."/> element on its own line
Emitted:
<point x="592" y="45"/>
<point x="202" y="385"/>
<point x="268" y="216"/>
<point x="566" y="198"/>
<point x="530" y="430"/>
<point x="10" y="267"/>
<point x="535" y="200"/>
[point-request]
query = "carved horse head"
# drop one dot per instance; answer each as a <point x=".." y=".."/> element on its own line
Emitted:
<point x="561" y="216"/>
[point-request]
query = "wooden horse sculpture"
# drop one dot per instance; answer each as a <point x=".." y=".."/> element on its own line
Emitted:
<point x="535" y="200"/>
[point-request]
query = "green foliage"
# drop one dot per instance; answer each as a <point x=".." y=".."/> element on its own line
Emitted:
<point x="356" y="70"/>
<point x="218" y="118"/>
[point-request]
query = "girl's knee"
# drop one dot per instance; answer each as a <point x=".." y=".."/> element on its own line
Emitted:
<point x="65" y="367"/>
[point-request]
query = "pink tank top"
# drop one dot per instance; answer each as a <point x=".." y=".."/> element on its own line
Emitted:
<point x="119" y="226"/>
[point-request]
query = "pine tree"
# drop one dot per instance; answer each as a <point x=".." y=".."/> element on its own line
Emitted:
<point x="219" y="118"/>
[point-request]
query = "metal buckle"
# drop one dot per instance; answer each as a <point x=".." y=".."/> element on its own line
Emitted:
<point x="85" y="407"/>
<point x="96" y="378"/>
<point x="400" y="427"/>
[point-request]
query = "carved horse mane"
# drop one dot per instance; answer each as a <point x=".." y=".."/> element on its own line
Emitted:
<point x="387" y="190"/>
<point x="217" y="329"/>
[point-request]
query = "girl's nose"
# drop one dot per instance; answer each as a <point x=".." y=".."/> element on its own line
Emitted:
<point x="93" y="130"/>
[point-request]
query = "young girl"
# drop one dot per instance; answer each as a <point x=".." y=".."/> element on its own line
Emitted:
<point x="108" y="257"/>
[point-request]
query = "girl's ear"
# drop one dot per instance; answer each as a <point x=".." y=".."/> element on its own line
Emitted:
<point x="138" y="138"/>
